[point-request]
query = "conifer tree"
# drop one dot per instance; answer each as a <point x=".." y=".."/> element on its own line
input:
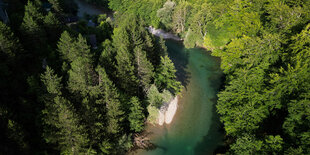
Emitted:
<point x="57" y="6"/>
<point x="52" y="26"/>
<point x="65" y="46"/>
<point x="32" y="9"/>
<point x="144" y="69"/>
<point x="32" y="29"/>
<point x="62" y="125"/>
<point x="125" y="67"/>
<point x="111" y="101"/>
<point x="81" y="76"/>
<point x="166" y="78"/>
<point x="107" y="57"/>
<point x="136" y="116"/>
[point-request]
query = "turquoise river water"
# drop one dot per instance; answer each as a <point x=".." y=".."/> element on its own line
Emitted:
<point x="195" y="129"/>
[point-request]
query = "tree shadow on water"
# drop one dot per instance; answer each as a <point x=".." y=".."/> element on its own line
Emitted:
<point x="180" y="57"/>
<point x="213" y="141"/>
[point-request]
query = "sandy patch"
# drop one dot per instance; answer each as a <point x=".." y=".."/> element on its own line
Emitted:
<point x="165" y="115"/>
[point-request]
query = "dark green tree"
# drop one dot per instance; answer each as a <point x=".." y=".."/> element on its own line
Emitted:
<point x="145" y="69"/>
<point x="53" y="27"/>
<point x="65" y="46"/>
<point x="57" y="5"/>
<point x="32" y="30"/>
<point x="136" y="116"/>
<point x="81" y="76"/>
<point x="107" y="57"/>
<point x="111" y="101"/>
<point x="125" y="66"/>
<point x="166" y="78"/>
<point x="62" y="126"/>
<point x="247" y="144"/>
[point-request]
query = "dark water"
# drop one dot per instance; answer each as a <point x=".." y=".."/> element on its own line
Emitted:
<point x="195" y="128"/>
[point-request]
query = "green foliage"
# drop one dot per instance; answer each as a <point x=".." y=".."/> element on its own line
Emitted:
<point x="65" y="46"/>
<point x="283" y="17"/>
<point x="144" y="69"/>
<point x="63" y="127"/>
<point x="165" y="13"/>
<point x="31" y="27"/>
<point x="274" y="144"/>
<point x="153" y="114"/>
<point x="154" y="96"/>
<point x="53" y="27"/>
<point x="57" y="5"/>
<point x="166" y="78"/>
<point x="180" y="15"/>
<point x="247" y="144"/>
<point x="105" y="147"/>
<point x="9" y="44"/>
<point x="111" y="101"/>
<point x="107" y="57"/>
<point x="190" y="39"/>
<point x="136" y="116"/>
<point x="51" y="82"/>
<point x="72" y="138"/>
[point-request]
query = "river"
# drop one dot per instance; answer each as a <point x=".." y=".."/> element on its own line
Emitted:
<point x="195" y="128"/>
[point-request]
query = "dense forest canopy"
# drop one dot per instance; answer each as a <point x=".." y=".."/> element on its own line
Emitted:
<point x="60" y="94"/>
<point x="264" y="48"/>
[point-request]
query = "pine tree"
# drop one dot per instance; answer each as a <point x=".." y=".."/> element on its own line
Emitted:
<point x="9" y="44"/>
<point x="107" y="57"/>
<point x="166" y="78"/>
<point x="72" y="138"/>
<point x="163" y="48"/>
<point x="144" y="69"/>
<point x="32" y="9"/>
<point x="57" y="6"/>
<point x="81" y="76"/>
<point x="136" y="116"/>
<point x="65" y="46"/>
<point x="126" y="72"/>
<point x="111" y="100"/>
<point x="32" y="30"/>
<point x="53" y="27"/>
<point x="62" y="126"/>
<point x="81" y="48"/>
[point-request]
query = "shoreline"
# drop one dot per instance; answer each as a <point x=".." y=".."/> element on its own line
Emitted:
<point x="166" y="115"/>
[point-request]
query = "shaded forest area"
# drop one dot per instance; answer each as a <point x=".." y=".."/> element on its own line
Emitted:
<point x="264" y="46"/>
<point x="64" y="93"/>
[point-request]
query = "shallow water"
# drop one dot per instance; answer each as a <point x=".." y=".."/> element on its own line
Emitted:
<point x="195" y="128"/>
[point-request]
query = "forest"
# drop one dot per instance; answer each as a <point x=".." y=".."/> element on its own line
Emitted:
<point x="62" y="95"/>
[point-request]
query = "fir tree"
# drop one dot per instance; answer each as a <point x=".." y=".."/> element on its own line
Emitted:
<point x="166" y="78"/>
<point x="62" y="125"/>
<point x="136" y="116"/>
<point x="144" y="69"/>
<point x="111" y="101"/>
<point x="53" y="27"/>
